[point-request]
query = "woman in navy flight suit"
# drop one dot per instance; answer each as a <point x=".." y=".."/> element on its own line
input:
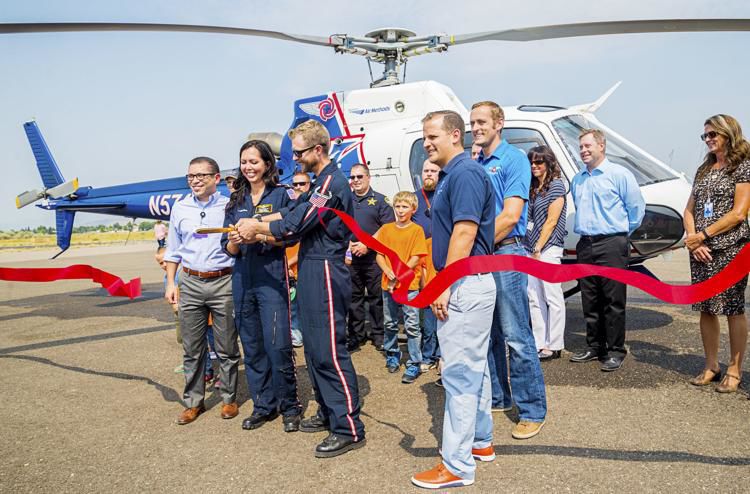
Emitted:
<point x="261" y="292"/>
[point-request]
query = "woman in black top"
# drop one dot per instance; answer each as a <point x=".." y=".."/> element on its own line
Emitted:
<point x="717" y="228"/>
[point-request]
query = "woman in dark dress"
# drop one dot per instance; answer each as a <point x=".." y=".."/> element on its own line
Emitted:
<point x="717" y="226"/>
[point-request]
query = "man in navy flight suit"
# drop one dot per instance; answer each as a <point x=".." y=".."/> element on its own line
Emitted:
<point x="325" y="288"/>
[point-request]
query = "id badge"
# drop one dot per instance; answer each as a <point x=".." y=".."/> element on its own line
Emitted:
<point x="529" y="226"/>
<point x="708" y="210"/>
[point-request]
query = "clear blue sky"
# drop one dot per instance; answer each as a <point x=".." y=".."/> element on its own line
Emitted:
<point x="123" y="107"/>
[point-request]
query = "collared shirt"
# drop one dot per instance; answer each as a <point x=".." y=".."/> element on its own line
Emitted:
<point x="422" y="215"/>
<point x="328" y="238"/>
<point x="371" y="212"/>
<point x="607" y="200"/>
<point x="464" y="193"/>
<point x="201" y="252"/>
<point x="510" y="174"/>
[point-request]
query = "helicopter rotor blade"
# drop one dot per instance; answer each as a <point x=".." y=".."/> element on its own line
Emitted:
<point x="600" y="28"/>
<point x="59" y="27"/>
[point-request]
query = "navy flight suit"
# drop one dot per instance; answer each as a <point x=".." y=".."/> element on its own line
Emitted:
<point x="262" y="312"/>
<point x="324" y="294"/>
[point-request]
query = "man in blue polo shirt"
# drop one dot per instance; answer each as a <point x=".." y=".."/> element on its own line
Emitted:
<point x="510" y="173"/>
<point x="609" y="207"/>
<point x="463" y="214"/>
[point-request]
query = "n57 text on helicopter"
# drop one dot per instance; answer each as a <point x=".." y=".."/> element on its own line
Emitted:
<point x="381" y="126"/>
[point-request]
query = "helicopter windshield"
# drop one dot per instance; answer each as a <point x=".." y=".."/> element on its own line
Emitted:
<point x="645" y="170"/>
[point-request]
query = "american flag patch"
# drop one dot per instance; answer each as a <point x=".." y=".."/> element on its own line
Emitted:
<point x="319" y="200"/>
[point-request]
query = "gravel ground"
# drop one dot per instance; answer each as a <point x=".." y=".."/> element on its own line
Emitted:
<point x="90" y="399"/>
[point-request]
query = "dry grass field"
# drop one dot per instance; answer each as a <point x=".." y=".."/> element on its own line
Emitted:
<point x="22" y="242"/>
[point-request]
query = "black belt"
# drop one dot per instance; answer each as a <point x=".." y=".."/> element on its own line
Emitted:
<point x="507" y="241"/>
<point x="594" y="238"/>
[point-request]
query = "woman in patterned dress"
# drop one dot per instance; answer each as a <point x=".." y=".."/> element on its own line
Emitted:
<point x="717" y="226"/>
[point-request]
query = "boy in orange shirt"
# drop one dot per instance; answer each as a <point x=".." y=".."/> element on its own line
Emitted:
<point x="408" y="241"/>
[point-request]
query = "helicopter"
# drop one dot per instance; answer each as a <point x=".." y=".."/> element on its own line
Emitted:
<point x="381" y="126"/>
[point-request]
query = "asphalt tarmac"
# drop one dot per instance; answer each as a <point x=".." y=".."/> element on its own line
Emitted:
<point x="90" y="398"/>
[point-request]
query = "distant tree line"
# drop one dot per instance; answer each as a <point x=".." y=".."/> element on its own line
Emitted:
<point x="143" y="226"/>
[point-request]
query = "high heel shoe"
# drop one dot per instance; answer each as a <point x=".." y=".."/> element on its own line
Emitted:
<point x="725" y="387"/>
<point x="706" y="377"/>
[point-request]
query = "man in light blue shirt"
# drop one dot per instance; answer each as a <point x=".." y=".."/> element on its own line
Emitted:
<point x="609" y="207"/>
<point x="205" y="287"/>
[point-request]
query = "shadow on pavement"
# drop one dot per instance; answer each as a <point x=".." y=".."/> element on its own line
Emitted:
<point x="167" y="393"/>
<point x="85" y="339"/>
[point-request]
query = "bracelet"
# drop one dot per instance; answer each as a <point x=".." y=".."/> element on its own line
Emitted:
<point x="705" y="234"/>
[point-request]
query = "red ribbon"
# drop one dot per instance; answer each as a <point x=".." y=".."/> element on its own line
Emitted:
<point x="552" y="273"/>
<point x="114" y="285"/>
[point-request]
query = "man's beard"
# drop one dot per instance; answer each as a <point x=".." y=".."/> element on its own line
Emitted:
<point x="429" y="185"/>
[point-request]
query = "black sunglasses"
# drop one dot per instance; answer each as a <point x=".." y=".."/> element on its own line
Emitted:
<point x="356" y="177"/>
<point x="538" y="162"/>
<point x="711" y="134"/>
<point x="299" y="152"/>
<point x="299" y="184"/>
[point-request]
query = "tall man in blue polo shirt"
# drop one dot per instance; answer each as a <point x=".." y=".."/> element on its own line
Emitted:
<point x="462" y="226"/>
<point x="609" y="207"/>
<point x="205" y="287"/>
<point x="510" y="173"/>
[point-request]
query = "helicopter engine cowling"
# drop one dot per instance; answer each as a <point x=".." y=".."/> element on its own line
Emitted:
<point x="273" y="139"/>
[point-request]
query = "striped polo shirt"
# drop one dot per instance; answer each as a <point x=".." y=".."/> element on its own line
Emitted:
<point x="538" y="207"/>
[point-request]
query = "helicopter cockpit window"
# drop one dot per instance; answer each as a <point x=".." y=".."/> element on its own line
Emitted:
<point x="645" y="170"/>
<point x="418" y="155"/>
<point x="523" y="139"/>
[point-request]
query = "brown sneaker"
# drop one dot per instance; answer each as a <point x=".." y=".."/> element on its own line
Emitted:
<point x="439" y="478"/>
<point x="230" y="410"/>
<point x="190" y="414"/>
<point x="525" y="430"/>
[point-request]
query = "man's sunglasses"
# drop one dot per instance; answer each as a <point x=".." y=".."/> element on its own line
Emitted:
<point x="356" y="177"/>
<point x="711" y="134"/>
<point x="299" y="152"/>
<point x="299" y="184"/>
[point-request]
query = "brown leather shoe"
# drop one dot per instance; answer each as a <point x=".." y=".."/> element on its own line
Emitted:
<point x="727" y="386"/>
<point x="706" y="377"/>
<point x="230" y="410"/>
<point x="190" y="414"/>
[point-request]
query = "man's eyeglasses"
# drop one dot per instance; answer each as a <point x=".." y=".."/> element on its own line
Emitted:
<point x="299" y="152"/>
<point x="538" y="162"/>
<point x="200" y="176"/>
<point x="711" y="134"/>
<point x="356" y="177"/>
<point x="297" y="185"/>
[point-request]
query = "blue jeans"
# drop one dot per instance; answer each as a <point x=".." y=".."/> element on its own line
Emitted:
<point x="411" y="328"/>
<point x="511" y="325"/>
<point x="464" y="339"/>
<point x="430" y="347"/>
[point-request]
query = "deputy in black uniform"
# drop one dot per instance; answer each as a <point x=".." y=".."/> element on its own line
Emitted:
<point x="324" y="288"/>
<point x="371" y="210"/>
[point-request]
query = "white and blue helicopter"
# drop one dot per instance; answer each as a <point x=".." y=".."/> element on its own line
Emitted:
<point x="381" y="126"/>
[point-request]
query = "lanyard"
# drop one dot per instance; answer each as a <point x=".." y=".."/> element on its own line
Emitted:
<point x="429" y="206"/>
